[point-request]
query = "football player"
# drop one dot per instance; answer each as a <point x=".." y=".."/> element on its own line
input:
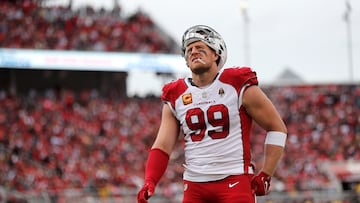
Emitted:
<point x="215" y="108"/>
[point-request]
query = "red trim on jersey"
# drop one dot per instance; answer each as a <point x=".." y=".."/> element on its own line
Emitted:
<point x="173" y="90"/>
<point x="246" y="122"/>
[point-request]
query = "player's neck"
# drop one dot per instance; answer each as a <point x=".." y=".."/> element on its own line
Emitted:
<point x="203" y="80"/>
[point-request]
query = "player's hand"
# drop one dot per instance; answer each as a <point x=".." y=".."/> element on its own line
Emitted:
<point x="146" y="192"/>
<point x="260" y="184"/>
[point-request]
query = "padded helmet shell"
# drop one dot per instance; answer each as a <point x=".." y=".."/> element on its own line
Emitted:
<point x="207" y="35"/>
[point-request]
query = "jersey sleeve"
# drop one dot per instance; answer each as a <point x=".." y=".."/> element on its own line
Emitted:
<point x="172" y="90"/>
<point x="239" y="77"/>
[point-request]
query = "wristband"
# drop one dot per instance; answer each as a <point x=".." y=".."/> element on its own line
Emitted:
<point x="156" y="165"/>
<point x="276" y="138"/>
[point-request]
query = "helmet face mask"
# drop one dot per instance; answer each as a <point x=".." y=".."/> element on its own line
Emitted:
<point x="207" y="35"/>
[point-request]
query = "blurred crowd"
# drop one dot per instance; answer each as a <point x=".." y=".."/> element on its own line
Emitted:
<point x="323" y="125"/>
<point x="59" y="139"/>
<point x="27" y="24"/>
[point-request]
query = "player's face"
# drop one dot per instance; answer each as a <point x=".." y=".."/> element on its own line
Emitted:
<point x="200" y="57"/>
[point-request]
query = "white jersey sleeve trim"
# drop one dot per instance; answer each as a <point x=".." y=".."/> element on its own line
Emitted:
<point x="171" y="107"/>
<point x="241" y="94"/>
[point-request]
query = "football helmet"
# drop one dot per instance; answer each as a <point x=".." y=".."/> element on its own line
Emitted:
<point x="207" y="35"/>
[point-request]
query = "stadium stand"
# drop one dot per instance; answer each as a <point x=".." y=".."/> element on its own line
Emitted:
<point x="27" y="24"/>
<point x="65" y="145"/>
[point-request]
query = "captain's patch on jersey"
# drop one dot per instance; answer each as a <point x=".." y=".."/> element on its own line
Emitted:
<point x="187" y="98"/>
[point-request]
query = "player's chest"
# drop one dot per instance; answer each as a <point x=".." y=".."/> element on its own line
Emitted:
<point x="219" y="98"/>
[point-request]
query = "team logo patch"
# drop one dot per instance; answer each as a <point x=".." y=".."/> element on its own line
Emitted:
<point x="221" y="92"/>
<point x="187" y="99"/>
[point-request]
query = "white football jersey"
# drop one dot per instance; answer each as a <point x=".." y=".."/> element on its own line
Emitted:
<point x="215" y="125"/>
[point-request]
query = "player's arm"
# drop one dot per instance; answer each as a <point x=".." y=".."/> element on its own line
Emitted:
<point x="159" y="154"/>
<point x="168" y="132"/>
<point x="263" y="112"/>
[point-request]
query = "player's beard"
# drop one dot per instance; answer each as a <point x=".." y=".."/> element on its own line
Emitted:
<point x="200" y="68"/>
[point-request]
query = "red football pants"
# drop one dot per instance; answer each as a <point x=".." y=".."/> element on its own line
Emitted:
<point x="233" y="189"/>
